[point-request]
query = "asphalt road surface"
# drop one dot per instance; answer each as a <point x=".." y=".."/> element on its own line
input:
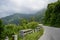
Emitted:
<point x="50" y="33"/>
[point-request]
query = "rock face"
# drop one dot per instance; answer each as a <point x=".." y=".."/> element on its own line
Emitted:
<point x="50" y="33"/>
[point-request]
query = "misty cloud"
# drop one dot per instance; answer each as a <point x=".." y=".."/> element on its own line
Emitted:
<point x="8" y="7"/>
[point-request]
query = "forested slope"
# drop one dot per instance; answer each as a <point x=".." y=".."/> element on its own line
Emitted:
<point x="52" y="15"/>
<point x="15" y="18"/>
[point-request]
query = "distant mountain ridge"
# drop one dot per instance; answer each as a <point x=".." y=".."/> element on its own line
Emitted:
<point x="15" y="18"/>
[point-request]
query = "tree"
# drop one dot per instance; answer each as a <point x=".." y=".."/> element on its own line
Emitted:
<point x="11" y="29"/>
<point x="52" y="15"/>
<point x="32" y="19"/>
<point x="23" y="21"/>
<point x="1" y="30"/>
<point x="32" y="25"/>
<point x="58" y="0"/>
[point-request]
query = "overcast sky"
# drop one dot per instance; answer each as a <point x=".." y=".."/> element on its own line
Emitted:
<point x="8" y="7"/>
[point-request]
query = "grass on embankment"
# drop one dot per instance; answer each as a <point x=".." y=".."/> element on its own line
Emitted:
<point x="33" y="36"/>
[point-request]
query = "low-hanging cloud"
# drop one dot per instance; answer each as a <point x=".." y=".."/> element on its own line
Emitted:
<point x="8" y="7"/>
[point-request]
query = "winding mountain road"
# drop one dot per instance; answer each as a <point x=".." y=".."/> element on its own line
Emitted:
<point x="50" y="33"/>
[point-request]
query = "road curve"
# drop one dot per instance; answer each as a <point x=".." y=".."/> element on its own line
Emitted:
<point x="50" y="33"/>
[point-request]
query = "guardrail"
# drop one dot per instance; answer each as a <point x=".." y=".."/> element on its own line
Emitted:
<point x="14" y="37"/>
<point x="6" y="38"/>
<point x="22" y="33"/>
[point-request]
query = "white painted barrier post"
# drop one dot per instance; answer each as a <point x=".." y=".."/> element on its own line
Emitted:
<point x="14" y="37"/>
<point x="6" y="38"/>
<point x="24" y="32"/>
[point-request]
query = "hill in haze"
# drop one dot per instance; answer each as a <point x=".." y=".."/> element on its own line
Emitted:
<point x="15" y="18"/>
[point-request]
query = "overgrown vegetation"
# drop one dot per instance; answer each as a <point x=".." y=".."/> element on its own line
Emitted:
<point x="52" y="15"/>
<point x="1" y="30"/>
<point x="33" y="36"/>
<point x="11" y="29"/>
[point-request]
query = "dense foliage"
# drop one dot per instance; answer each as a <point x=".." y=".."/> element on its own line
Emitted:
<point x="1" y="30"/>
<point x="33" y="36"/>
<point x="52" y="15"/>
<point x="11" y="29"/>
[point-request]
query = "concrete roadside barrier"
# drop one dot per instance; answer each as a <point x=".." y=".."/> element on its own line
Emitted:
<point x="6" y="38"/>
<point x="14" y="37"/>
<point x="24" y="32"/>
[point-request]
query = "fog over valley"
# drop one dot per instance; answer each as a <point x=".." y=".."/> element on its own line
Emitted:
<point x="9" y="7"/>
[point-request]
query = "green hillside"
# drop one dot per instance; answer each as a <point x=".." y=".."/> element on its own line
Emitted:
<point x="52" y="15"/>
<point x="15" y="18"/>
